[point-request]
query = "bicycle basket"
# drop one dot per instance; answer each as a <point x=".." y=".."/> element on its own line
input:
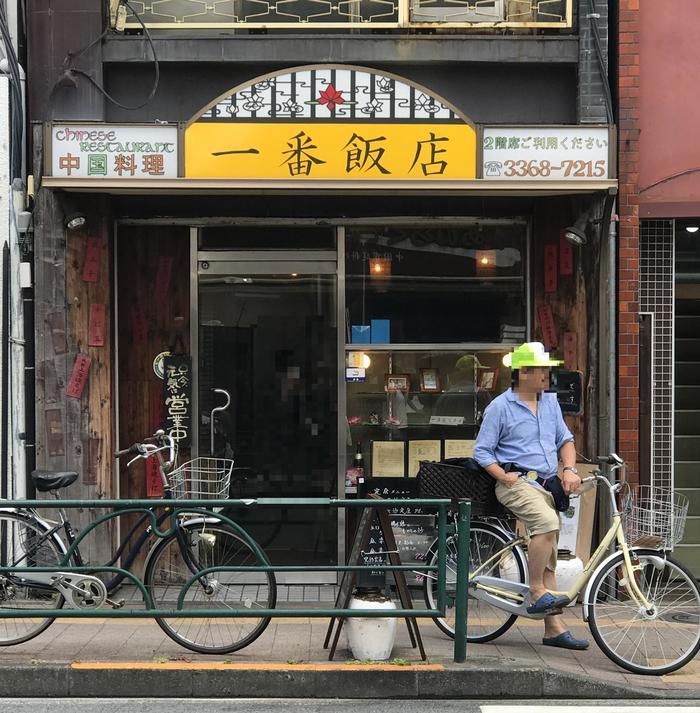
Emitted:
<point x="656" y="518"/>
<point x="201" y="479"/>
<point x="463" y="478"/>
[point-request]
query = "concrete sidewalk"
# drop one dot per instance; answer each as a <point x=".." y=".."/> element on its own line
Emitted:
<point x="134" y="657"/>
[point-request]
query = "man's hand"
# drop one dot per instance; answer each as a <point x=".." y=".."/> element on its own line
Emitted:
<point x="509" y="479"/>
<point x="570" y="482"/>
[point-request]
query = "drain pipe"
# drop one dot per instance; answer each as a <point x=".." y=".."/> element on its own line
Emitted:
<point x="612" y="327"/>
<point x="5" y="375"/>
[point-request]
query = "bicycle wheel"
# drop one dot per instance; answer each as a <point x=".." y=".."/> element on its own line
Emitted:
<point x="655" y="642"/>
<point x="25" y="543"/>
<point x="210" y="545"/>
<point x="484" y="621"/>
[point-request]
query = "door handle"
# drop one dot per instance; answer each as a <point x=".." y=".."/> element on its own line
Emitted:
<point x="215" y="410"/>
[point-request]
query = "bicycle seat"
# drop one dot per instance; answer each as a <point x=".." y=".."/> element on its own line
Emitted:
<point x="45" y="480"/>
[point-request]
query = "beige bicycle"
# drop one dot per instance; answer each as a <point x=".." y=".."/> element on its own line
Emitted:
<point x="642" y="606"/>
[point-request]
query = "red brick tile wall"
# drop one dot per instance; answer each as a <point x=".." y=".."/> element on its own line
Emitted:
<point x="628" y="210"/>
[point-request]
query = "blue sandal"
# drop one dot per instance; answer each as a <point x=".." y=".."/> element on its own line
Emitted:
<point x="566" y="640"/>
<point x="547" y="603"/>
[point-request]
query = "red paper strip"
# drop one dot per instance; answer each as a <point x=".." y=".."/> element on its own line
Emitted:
<point x="550" y="268"/>
<point x="54" y="432"/>
<point x="570" y="348"/>
<point x="79" y="377"/>
<point x="549" y="329"/>
<point x="139" y="325"/>
<point x="154" y="483"/>
<point x="91" y="465"/>
<point x="566" y="257"/>
<point x="96" y="328"/>
<point x="57" y="325"/>
<point x="163" y="273"/>
<point x="91" y="266"/>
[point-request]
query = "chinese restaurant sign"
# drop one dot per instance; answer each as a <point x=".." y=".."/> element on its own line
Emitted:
<point x="111" y="151"/>
<point x="546" y="153"/>
<point x="330" y="123"/>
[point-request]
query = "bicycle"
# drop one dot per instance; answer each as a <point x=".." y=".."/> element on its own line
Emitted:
<point x="194" y="542"/>
<point x="641" y="605"/>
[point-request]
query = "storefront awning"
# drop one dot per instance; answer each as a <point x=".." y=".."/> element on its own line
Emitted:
<point x="194" y="186"/>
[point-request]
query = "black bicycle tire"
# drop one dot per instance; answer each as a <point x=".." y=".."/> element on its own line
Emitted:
<point x="162" y="622"/>
<point x="592" y="624"/>
<point x="58" y="545"/>
<point x="440" y="623"/>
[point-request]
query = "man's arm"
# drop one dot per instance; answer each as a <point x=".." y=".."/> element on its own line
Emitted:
<point x="485" y="447"/>
<point x="570" y="481"/>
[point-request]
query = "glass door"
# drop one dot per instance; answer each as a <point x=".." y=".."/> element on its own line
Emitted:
<point x="268" y="337"/>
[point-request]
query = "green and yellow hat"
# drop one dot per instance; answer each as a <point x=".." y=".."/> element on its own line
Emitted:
<point x="530" y="354"/>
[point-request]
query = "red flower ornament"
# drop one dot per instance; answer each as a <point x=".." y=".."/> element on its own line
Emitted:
<point x="331" y="97"/>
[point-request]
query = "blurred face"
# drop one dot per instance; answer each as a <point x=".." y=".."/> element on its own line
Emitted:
<point x="533" y="378"/>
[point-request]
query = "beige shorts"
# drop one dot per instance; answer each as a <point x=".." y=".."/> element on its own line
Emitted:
<point x="534" y="507"/>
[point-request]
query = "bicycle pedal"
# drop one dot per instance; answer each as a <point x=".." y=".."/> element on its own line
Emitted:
<point x="116" y="605"/>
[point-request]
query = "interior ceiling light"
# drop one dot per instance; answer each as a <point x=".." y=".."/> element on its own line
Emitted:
<point x="692" y="228"/>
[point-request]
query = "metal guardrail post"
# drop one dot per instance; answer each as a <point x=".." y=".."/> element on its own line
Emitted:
<point x="463" y="526"/>
<point x="442" y="569"/>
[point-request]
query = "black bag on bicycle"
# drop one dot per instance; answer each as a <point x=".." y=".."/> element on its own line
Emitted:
<point x="457" y="478"/>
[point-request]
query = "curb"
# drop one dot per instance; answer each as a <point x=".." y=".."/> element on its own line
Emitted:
<point x="316" y="681"/>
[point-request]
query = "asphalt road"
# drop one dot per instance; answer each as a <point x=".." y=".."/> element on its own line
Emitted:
<point x="204" y="705"/>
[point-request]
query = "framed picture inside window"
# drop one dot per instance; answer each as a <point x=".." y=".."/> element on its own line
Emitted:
<point x="488" y="378"/>
<point x="429" y="380"/>
<point x="397" y="382"/>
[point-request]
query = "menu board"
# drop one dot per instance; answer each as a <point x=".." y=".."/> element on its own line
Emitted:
<point x="414" y="529"/>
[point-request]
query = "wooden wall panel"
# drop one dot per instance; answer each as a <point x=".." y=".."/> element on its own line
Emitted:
<point x="74" y="433"/>
<point x="146" y="327"/>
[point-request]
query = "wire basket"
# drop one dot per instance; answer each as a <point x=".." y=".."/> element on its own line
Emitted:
<point x="656" y="517"/>
<point x="201" y="479"/>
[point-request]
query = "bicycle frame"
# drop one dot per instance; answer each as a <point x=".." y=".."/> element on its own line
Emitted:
<point x="72" y="554"/>
<point x="514" y="596"/>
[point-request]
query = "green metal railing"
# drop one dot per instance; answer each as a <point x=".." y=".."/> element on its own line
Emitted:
<point x="204" y="508"/>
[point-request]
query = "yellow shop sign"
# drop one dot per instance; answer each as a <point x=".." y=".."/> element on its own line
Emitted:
<point x="330" y="122"/>
<point x="335" y="151"/>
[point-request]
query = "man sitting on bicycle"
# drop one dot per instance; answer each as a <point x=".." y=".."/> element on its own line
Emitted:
<point x="524" y="430"/>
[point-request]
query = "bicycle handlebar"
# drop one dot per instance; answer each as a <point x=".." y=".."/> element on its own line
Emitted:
<point x="131" y="450"/>
<point x="156" y="443"/>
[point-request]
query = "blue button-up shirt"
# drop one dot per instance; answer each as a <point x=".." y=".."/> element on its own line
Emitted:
<point x="511" y="433"/>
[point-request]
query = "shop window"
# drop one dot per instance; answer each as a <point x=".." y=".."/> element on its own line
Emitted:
<point x="456" y="284"/>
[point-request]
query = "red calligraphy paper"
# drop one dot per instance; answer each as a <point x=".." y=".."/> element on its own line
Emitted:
<point x="566" y="257"/>
<point x="55" y="437"/>
<point x="91" y="266"/>
<point x="549" y="329"/>
<point x="163" y="273"/>
<point x="154" y="483"/>
<point x="57" y="325"/>
<point x="550" y="268"/>
<point x="570" y="348"/>
<point x="96" y="328"/>
<point x="79" y="377"/>
<point x="139" y="325"/>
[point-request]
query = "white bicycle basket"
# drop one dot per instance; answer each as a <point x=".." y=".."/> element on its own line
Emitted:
<point x="656" y="518"/>
<point x="201" y="479"/>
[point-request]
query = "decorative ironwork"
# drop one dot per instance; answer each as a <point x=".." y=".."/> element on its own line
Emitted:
<point x="336" y="94"/>
<point x="313" y="14"/>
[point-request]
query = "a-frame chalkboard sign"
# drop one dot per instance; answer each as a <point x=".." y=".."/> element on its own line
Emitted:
<point x="348" y="580"/>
